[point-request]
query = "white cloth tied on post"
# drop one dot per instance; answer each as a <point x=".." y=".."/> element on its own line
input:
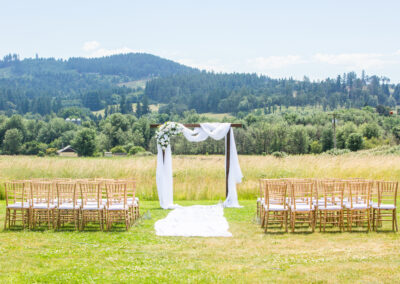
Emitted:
<point x="216" y="131"/>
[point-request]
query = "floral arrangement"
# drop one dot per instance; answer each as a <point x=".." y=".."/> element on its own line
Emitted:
<point x="166" y="131"/>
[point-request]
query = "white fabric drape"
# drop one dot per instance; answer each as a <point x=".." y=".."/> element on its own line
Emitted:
<point x="216" y="131"/>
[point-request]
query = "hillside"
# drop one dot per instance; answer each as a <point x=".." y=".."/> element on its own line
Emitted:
<point x="47" y="85"/>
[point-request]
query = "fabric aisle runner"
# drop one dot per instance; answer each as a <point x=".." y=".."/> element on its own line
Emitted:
<point x="194" y="221"/>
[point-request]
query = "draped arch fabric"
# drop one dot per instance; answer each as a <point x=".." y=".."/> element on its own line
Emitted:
<point x="217" y="131"/>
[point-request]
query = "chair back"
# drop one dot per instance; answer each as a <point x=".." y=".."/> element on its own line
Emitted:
<point x="17" y="192"/>
<point x="42" y="192"/>
<point x="116" y="193"/>
<point x="359" y="193"/>
<point x="302" y="193"/>
<point x="66" y="193"/>
<point x="263" y="184"/>
<point x="331" y="193"/>
<point x="91" y="193"/>
<point x="275" y="194"/>
<point x="130" y="187"/>
<point x="387" y="192"/>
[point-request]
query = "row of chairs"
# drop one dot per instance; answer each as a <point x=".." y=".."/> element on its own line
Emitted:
<point x="337" y="202"/>
<point x="57" y="202"/>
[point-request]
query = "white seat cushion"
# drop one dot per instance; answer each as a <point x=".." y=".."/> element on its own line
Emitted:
<point x="92" y="207"/>
<point x="117" y="207"/>
<point x="68" y="206"/>
<point x="356" y="206"/>
<point x="18" y="205"/>
<point x="43" y="206"/>
<point x="275" y="207"/>
<point x="384" y="206"/>
<point x="302" y="207"/>
<point x="329" y="207"/>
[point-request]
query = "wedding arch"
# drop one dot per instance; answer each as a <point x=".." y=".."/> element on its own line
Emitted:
<point x="200" y="133"/>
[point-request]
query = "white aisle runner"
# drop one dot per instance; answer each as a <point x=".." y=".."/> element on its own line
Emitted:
<point x="197" y="220"/>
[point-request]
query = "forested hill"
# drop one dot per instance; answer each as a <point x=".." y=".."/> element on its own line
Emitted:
<point x="209" y="92"/>
<point x="47" y="85"/>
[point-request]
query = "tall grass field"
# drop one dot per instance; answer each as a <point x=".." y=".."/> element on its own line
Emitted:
<point x="250" y="256"/>
<point x="200" y="177"/>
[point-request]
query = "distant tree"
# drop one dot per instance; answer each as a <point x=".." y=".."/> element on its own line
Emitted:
<point x="355" y="142"/>
<point x="327" y="139"/>
<point x="12" y="141"/>
<point x="138" y="110"/>
<point x="315" y="147"/>
<point x="370" y="130"/>
<point x="84" y="142"/>
<point x="145" y="106"/>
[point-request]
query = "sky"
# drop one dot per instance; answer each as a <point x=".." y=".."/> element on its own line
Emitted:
<point x="317" y="39"/>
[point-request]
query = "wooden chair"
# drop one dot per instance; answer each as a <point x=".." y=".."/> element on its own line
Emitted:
<point x="17" y="203"/>
<point x="117" y="208"/>
<point x="92" y="207"/>
<point x="42" y="204"/>
<point x="261" y="199"/>
<point x="386" y="205"/>
<point x="132" y="200"/>
<point x="302" y="209"/>
<point x="359" y="204"/>
<point x="330" y="204"/>
<point x="275" y="209"/>
<point x="67" y="209"/>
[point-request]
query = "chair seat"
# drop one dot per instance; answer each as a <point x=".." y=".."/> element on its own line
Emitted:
<point x="275" y="207"/>
<point x="117" y="207"/>
<point x="92" y="207"/>
<point x="18" y="205"/>
<point x="383" y="206"/>
<point x="43" y="206"/>
<point x="302" y="207"/>
<point x="68" y="206"/>
<point x="329" y="207"/>
<point x="357" y="206"/>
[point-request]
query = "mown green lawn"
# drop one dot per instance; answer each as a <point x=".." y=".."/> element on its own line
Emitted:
<point x="250" y="256"/>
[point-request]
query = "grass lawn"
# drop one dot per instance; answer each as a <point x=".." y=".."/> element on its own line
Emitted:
<point x="250" y="256"/>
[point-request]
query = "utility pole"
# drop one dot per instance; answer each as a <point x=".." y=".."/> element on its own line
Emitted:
<point x="334" y="129"/>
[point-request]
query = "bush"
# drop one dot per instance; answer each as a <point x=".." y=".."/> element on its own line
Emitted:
<point x="371" y="130"/>
<point x="315" y="147"/>
<point x="85" y="142"/>
<point x="128" y="147"/>
<point x="144" y="154"/>
<point x="41" y="154"/>
<point x="51" y="151"/>
<point x="355" y="142"/>
<point x="279" y="154"/>
<point x="337" y="152"/>
<point x="118" y="150"/>
<point x="136" y="149"/>
<point x="12" y="141"/>
<point x="33" y="148"/>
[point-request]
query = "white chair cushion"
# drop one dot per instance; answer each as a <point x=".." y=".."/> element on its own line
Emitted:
<point x="68" y="206"/>
<point x="275" y="207"/>
<point x="117" y="207"/>
<point x="384" y="206"/>
<point x="92" y="207"/>
<point x="18" y="205"/>
<point x="43" y="206"/>
<point x="302" y="207"/>
<point x="356" y="206"/>
<point x="329" y="207"/>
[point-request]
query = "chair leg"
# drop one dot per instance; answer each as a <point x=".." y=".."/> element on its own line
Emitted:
<point x="7" y="216"/>
<point x="267" y="222"/>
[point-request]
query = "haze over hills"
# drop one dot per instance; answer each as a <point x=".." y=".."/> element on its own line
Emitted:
<point x="46" y="85"/>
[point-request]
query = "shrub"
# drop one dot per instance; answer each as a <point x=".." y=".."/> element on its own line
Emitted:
<point x="143" y="154"/>
<point x="84" y="142"/>
<point x="33" y="148"/>
<point x="337" y="152"/>
<point x="315" y="147"/>
<point x="136" y="149"/>
<point x="371" y="130"/>
<point x="279" y="154"/>
<point x="51" y="151"/>
<point x="41" y="154"/>
<point x="128" y="147"/>
<point x="118" y="150"/>
<point x="355" y="142"/>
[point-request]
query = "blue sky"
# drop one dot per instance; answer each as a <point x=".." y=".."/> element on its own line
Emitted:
<point x="317" y="39"/>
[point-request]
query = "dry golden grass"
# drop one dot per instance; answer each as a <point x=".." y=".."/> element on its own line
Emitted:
<point x="201" y="177"/>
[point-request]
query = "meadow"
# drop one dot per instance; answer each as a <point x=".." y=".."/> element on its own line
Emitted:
<point x="250" y="256"/>
<point x="201" y="177"/>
